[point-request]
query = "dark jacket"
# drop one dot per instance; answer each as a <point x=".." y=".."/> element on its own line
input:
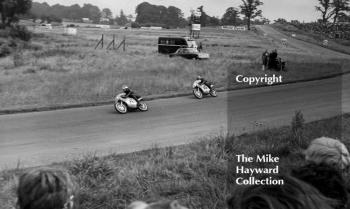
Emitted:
<point x="128" y="93"/>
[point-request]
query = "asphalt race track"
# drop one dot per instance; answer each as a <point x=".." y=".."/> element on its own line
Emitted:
<point x="45" y="137"/>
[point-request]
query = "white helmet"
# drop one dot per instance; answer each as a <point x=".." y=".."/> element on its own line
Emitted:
<point x="125" y="87"/>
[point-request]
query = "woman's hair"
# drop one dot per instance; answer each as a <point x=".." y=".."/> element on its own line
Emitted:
<point x="294" y="194"/>
<point x="327" y="179"/>
<point x="45" y="188"/>
<point x="329" y="151"/>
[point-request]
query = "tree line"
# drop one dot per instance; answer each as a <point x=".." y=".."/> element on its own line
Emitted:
<point x="157" y="15"/>
<point x="75" y="12"/>
<point x="333" y="10"/>
<point x="147" y="14"/>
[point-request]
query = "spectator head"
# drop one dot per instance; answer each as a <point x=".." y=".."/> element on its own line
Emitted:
<point x="45" y="188"/>
<point x="173" y="204"/>
<point x="327" y="179"/>
<point x="328" y="151"/>
<point x="294" y="194"/>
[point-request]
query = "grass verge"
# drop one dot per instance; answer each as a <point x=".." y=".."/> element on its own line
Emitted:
<point x="59" y="70"/>
<point x="198" y="174"/>
<point x="314" y="38"/>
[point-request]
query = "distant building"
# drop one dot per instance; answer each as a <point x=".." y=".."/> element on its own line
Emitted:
<point x="86" y="20"/>
<point x="104" y="20"/>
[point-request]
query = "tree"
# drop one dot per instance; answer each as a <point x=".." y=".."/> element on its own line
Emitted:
<point x="106" y="13"/>
<point x="214" y="21"/>
<point x="174" y="16"/>
<point x="325" y="7"/>
<point x="230" y="17"/>
<point x="92" y="12"/>
<point x="281" y="20"/>
<point x="10" y="9"/>
<point x="343" y="17"/>
<point x="148" y="14"/>
<point x="250" y="10"/>
<point x="339" y="7"/>
<point x="204" y="19"/>
<point x="122" y="19"/>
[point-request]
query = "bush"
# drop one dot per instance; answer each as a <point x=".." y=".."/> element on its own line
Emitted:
<point x="297" y="126"/>
<point x="20" y="32"/>
<point x="4" y="50"/>
<point x="135" y="25"/>
<point x="18" y="58"/>
<point x="298" y="122"/>
<point x="4" y="33"/>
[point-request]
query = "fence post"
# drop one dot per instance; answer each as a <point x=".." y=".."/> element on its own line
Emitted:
<point x="124" y="44"/>
<point x="112" y="43"/>
<point x="100" y="42"/>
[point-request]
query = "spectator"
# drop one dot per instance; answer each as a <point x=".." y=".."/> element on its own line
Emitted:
<point x="200" y="47"/>
<point x="294" y="194"/>
<point x="272" y="61"/>
<point x="45" y="188"/>
<point x="327" y="179"/>
<point x="329" y="151"/>
<point x="156" y="205"/>
<point x="265" y="59"/>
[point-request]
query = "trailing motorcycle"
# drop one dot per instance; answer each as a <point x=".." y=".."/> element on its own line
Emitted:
<point x="124" y="104"/>
<point x="199" y="90"/>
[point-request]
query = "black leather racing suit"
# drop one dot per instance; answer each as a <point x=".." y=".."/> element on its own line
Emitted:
<point x="203" y="81"/>
<point x="131" y="94"/>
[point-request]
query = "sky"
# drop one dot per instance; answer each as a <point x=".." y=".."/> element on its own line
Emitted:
<point x="302" y="10"/>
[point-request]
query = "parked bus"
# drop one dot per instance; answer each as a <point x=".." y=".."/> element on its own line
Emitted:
<point x="168" y="45"/>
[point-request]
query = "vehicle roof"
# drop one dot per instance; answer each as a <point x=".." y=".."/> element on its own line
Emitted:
<point x="172" y="37"/>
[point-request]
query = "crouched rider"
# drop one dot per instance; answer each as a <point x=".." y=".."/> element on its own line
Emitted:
<point x="203" y="81"/>
<point x="130" y="94"/>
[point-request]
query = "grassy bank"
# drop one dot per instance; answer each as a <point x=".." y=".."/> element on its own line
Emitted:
<point x="56" y="69"/>
<point x="197" y="174"/>
<point x="339" y="45"/>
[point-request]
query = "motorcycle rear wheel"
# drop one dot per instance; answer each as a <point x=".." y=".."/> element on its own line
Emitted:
<point x="143" y="107"/>
<point x="213" y="93"/>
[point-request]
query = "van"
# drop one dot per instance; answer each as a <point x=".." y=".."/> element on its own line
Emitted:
<point x="168" y="45"/>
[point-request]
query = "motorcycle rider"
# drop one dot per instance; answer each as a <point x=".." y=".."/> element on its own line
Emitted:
<point x="130" y="94"/>
<point x="203" y="81"/>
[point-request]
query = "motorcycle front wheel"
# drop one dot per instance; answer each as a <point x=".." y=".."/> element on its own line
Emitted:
<point x="120" y="107"/>
<point x="143" y="107"/>
<point x="198" y="93"/>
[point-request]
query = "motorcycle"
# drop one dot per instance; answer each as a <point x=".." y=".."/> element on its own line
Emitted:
<point x="122" y="104"/>
<point x="199" y="90"/>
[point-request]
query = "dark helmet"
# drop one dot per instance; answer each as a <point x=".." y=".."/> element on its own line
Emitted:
<point x="125" y="88"/>
<point x="199" y="77"/>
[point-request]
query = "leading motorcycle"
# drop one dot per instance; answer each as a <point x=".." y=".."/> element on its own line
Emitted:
<point x="199" y="90"/>
<point x="123" y="104"/>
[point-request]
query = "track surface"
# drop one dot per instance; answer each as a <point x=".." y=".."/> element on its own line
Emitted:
<point x="45" y="137"/>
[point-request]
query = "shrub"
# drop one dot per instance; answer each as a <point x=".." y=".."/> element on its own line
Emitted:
<point x="297" y="128"/>
<point x="135" y="25"/>
<point x="298" y="122"/>
<point x="4" y="50"/>
<point x="18" y="58"/>
<point x="4" y="33"/>
<point x="20" y="32"/>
